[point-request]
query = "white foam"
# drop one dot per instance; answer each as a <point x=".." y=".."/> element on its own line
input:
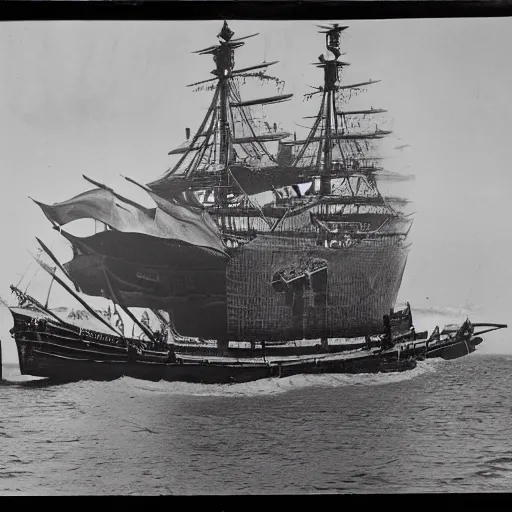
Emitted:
<point x="11" y="373"/>
<point x="23" y="378"/>
<point x="273" y="386"/>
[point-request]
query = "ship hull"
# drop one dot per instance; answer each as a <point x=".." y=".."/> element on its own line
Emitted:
<point x="64" y="353"/>
<point x="209" y="297"/>
<point x="340" y="292"/>
<point x="45" y="360"/>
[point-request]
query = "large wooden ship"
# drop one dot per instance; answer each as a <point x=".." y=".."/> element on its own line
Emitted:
<point x="325" y="263"/>
<point x="249" y="252"/>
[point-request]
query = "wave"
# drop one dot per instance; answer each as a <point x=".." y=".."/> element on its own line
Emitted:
<point x="275" y="386"/>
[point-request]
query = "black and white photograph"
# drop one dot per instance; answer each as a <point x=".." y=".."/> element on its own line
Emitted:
<point x="251" y="257"/>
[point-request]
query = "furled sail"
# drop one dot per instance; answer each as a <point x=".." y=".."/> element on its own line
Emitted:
<point x="377" y="134"/>
<point x="262" y="101"/>
<point x="354" y="112"/>
<point x="265" y="137"/>
<point x="184" y="148"/>
<point x="355" y="86"/>
<point x="236" y="71"/>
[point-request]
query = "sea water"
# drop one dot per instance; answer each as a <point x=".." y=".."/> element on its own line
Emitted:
<point x="444" y="426"/>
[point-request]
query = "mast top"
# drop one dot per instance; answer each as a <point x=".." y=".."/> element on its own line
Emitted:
<point x="225" y="37"/>
<point x="332" y="38"/>
<point x="226" y="33"/>
<point x="332" y="27"/>
<point x="224" y="52"/>
<point x="330" y="65"/>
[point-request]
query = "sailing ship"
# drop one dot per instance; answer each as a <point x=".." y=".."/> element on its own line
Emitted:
<point x="220" y="267"/>
<point x="327" y="263"/>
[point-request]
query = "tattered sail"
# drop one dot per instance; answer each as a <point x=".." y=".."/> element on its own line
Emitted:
<point x="169" y="220"/>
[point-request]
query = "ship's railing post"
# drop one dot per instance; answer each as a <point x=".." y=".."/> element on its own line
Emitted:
<point x="222" y="346"/>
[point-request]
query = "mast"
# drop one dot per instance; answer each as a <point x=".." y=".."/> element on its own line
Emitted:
<point x="335" y="153"/>
<point x="49" y="291"/>
<point x="325" y="179"/>
<point x="224" y="58"/>
<point x="231" y="133"/>
<point x="331" y="78"/>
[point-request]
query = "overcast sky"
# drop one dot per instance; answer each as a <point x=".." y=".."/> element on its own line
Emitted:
<point x="110" y="98"/>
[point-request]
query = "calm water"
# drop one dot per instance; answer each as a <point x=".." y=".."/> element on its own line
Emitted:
<point x="445" y="426"/>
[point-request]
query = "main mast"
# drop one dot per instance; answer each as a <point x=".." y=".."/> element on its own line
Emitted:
<point x="229" y="134"/>
<point x="224" y="58"/>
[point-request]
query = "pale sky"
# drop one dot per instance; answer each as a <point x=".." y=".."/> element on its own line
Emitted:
<point x="105" y="98"/>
